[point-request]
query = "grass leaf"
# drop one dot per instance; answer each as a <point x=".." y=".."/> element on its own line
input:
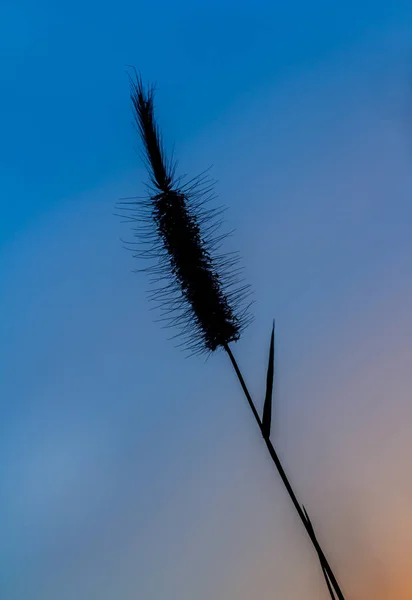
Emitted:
<point x="267" y="407"/>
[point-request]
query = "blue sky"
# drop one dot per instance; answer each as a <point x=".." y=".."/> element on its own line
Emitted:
<point x="64" y="118"/>
<point x="129" y="471"/>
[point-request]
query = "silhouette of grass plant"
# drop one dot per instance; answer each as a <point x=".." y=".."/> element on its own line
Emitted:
<point x="201" y="292"/>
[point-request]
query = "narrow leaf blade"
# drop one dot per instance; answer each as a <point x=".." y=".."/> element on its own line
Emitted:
<point x="307" y="518"/>
<point x="267" y="407"/>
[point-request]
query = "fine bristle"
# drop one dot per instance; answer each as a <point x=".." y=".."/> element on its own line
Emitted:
<point x="202" y="293"/>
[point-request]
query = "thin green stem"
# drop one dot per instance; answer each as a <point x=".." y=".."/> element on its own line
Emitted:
<point x="327" y="571"/>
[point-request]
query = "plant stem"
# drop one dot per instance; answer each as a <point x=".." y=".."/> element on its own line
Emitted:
<point x="327" y="571"/>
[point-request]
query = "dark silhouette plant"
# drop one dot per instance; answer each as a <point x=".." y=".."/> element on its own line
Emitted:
<point x="201" y="291"/>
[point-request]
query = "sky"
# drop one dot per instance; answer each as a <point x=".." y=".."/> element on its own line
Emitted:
<point x="127" y="470"/>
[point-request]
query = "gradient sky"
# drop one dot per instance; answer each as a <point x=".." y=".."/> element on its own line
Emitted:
<point x="128" y="471"/>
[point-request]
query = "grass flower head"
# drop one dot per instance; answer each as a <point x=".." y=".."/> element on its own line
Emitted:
<point x="201" y="290"/>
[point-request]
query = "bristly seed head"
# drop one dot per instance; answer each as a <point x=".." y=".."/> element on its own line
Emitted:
<point x="202" y="293"/>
